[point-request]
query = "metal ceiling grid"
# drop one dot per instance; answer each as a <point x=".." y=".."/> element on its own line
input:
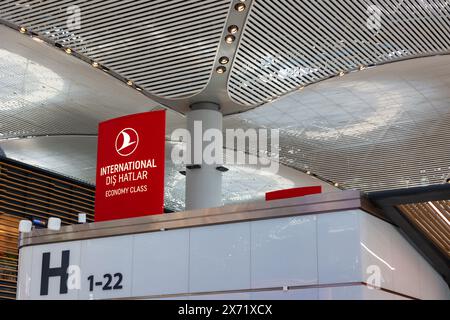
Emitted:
<point x="395" y="155"/>
<point x="166" y="47"/>
<point x="384" y="128"/>
<point x="29" y="106"/>
<point x="43" y="92"/>
<point x="290" y="44"/>
<point x="284" y="46"/>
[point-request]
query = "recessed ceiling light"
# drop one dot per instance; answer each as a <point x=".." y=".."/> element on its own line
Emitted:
<point x="221" y="70"/>
<point x="239" y="7"/>
<point x="233" y="29"/>
<point x="341" y="74"/>
<point x="230" y="39"/>
<point x="68" y="50"/>
<point x="361" y="68"/>
<point x="129" y="82"/>
<point x="37" y="39"/>
<point x="224" y="60"/>
<point x="95" y="64"/>
<point x="138" y="89"/>
<point x="336" y="184"/>
<point x="22" y="30"/>
<point x="308" y="172"/>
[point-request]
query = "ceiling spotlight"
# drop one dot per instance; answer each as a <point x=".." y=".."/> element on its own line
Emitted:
<point x="308" y="172"/>
<point x="22" y="30"/>
<point x="336" y="185"/>
<point x="95" y="64"/>
<point x="130" y="83"/>
<point x="233" y="29"/>
<point x="301" y="88"/>
<point x="224" y="60"/>
<point x="138" y="89"/>
<point x="341" y="74"/>
<point x="221" y="70"/>
<point x="230" y="39"/>
<point x="239" y="7"/>
<point x="361" y="68"/>
<point x="68" y="50"/>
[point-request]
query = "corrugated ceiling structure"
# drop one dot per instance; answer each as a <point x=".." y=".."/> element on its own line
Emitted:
<point x="290" y="44"/>
<point x="370" y="133"/>
<point x="166" y="47"/>
<point x="170" y="48"/>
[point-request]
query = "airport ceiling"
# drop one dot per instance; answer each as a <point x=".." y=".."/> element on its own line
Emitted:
<point x="75" y="156"/>
<point x="368" y="109"/>
<point x="262" y="49"/>
<point x="50" y="107"/>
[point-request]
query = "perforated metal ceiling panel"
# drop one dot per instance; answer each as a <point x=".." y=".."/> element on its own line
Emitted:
<point x="166" y="47"/>
<point x="381" y="129"/>
<point x="289" y="44"/>
<point x="44" y="91"/>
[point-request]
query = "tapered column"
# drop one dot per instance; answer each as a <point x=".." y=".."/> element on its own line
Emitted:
<point x="203" y="180"/>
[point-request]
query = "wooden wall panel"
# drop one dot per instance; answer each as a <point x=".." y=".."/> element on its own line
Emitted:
<point x="31" y="193"/>
<point x="432" y="218"/>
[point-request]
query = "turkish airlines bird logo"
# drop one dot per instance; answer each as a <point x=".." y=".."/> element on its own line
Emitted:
<point x="127" y="142"/>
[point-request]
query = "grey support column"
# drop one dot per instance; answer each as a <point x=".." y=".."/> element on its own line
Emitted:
<point x="203" y="181"/>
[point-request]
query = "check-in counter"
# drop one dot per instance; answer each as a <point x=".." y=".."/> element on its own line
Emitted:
<point x="329" y="246"/>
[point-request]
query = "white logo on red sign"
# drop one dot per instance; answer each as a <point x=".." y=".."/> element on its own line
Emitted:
<point x="127" y="142"/>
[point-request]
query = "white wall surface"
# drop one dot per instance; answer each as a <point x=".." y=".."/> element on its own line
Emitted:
<point x="331" y="251"/>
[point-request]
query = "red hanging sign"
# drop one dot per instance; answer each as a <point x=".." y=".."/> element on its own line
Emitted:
<point x="130" y="166"/>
